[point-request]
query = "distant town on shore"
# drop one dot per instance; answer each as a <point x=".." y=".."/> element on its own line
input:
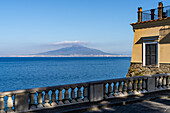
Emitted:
<point x="73" y="51"/>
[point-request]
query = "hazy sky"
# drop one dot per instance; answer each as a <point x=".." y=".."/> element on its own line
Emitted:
<point x="33" y="26"/>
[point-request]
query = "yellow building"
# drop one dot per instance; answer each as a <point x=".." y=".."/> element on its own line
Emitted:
<point x="151" y="46"/>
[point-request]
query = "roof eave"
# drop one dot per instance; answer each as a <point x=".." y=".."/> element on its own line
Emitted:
<point x="150" y="21"/>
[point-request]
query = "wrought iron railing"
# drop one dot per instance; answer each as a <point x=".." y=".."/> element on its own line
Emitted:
<point x="167" y="11"/>
<point x="147" y="15"/>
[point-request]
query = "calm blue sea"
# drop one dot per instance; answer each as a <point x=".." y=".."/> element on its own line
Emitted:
<point x="24" y="73"/>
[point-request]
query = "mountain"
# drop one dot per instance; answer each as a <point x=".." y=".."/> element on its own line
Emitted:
<point x="75" y="50"/>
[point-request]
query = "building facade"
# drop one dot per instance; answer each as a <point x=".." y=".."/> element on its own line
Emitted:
<point x="151" y="46"/>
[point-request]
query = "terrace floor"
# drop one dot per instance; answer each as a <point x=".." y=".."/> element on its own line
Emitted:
<point x="161" y="105"/>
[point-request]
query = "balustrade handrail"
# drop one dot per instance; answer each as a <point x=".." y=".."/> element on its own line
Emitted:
<point x="43" y="88"/>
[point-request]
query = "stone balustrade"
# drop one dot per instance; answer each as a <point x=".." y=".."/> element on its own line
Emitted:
<point x="125" y="86"/>
<point x="55" y="96"/>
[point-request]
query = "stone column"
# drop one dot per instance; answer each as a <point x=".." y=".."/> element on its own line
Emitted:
<point x="39" y="99"/>
<point x="2" y="103"/>
<point x="79" y="94"/>
<point x="53" y="98"/>
<point x="85" y="93"/>
<point x="46" y="99"/>
<point x="160" y="10"/>
<point x="139" y="14"/>
<point x="60" y="97"/>
<point x="66" y="96"/>
<point x="73" y="97"/>
<point x="9" y="103"/>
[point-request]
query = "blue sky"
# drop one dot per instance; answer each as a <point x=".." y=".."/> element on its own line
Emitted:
<point x="33" y="26"/>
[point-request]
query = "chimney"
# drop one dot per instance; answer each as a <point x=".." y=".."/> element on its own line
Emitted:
<point x="160" y="10"/>
<point x="152" y="14"/>
<point x="139" y="14"/>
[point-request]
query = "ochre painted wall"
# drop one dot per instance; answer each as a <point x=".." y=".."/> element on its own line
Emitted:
<point x="137" y="47"/>
<point x="148" y="30"/>
<point x="164" y="53"/>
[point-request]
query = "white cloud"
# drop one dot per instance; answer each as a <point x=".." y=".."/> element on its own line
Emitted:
<point x="70" y="43"/>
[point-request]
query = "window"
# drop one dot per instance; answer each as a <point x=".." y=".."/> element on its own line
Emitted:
<point x="150" y="54"/>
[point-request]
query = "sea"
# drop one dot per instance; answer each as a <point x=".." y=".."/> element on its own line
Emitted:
<point x="31" y="72"/>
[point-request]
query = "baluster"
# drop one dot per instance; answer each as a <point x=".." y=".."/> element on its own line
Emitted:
<point x="105" y="91"/>
<point x="139" y="86"/>
<point x="156" y="82"/>
<point x="66" y="96"/>
<point x="160" y="83"/>
<point x="32" y="100"/>
<point x="164" y="82"/>
<point x="110" y="90"/>
<point x="130" y="87"/>
<point x="73" y="95"/>
<point x="167" y="81"/>
<point x="125" y="88"/>
<point x="60" y="97"/>
<point x="120" y="88"/>
<point x="53" y="98"/>
<point x="2" y="103"/>
<point x="85" y="93"/>
<point x="9" y="103"/>
<point x="143" y="85"/>
<point x="115" y="88"/>
<point x="79" y="94"/>
<point x="46" y="99"/>
<point x="39" y="99"/>
<point x="134" y="86"/>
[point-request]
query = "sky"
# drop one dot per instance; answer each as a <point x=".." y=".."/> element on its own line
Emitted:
<point x="34" y="26"/>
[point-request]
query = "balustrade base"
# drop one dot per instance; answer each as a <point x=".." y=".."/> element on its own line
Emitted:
<point x="10" y="111"/>
<point x="73" y="101"/>
<point x="33" y="107"/>
<point x="110" y="95"/>
<point x="164" y="87"/>
<point x="115" y="94"/>
<point x="39" y="105"/>
<point x="130" y="93"/>
<point x="2" y="111"/>
<point x="125" y="93"/>
<point x="120" y="94"/>
<point x="60" y="103"/>
<point x="53" y="104"/>
<point x="135" y="92"/>
<point x="85" y="99"/>
<point x="144" y="91"/>
<point x="79" y="100"/>
<point x="66" y="102"/>
<point x="46" y="105"/>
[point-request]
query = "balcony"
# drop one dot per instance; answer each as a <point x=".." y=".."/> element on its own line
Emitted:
<point x="159" y="13"/>
<point x="153" y="14"/>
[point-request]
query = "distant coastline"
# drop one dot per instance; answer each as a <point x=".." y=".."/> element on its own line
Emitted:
<point x="67" y="56"/>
